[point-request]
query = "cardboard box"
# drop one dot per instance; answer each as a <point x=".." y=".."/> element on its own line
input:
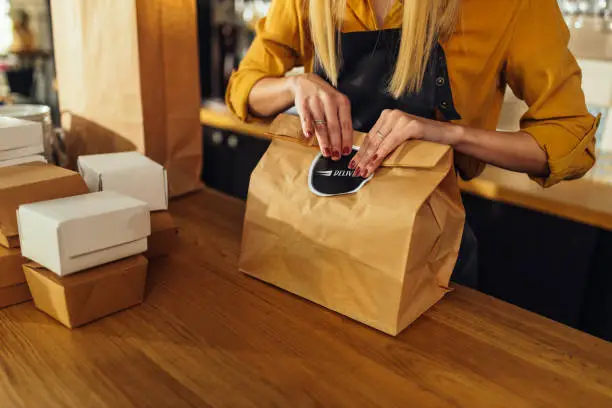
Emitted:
<point x="23" y="160"/>
<point x="72" y="234"/>
<point x="13" y="295"/>
<point x="29" y="183"/>
<point x="164" y="235"/>
<point x="19" y="138"/>
<point x="11" y="272"/>
<point x="129" y="173"/>
<point x="78" y="299"/>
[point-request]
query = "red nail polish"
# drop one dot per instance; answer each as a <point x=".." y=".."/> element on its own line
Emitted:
<point x="346" y="151"/>
<point x="336" y="154"/>
<point x="364" y="173"/>
<point x="308" y="134"/>
<point x="351" y="165"/>
<point x="374" y="157"/>
<point x="327" y="152"/>
<point x="357" y="172"/>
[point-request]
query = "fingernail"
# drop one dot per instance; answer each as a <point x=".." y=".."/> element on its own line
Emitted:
<point x="374" y="157"/>
<point x="364" y="173"/>
<point x="346" y="151"/>
<point x="336" y="154"/>
<point x="308" y="134"/>
<point x="351" y="165"/>
<point x="357" y="172"/>
<point x="327" y="152"/>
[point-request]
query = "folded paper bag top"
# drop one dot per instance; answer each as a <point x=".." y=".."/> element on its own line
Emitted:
<point x="72" y="234"/>
<point x="129" y="173"/>
<point x="382" y="256"/>
<point x="30" y="183"/>
<point x="414" y="154"/>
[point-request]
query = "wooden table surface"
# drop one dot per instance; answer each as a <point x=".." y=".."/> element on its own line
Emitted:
<point x="586" y="200"/>
<point x="209" y="336"/>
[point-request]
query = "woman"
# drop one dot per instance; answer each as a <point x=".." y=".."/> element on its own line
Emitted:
<point x="434" y="70"/>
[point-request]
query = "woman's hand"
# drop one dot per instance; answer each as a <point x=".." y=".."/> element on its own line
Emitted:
<point x="515" y="151"/>
<point x="392" y="129"/>
<point x="324" y="112"/>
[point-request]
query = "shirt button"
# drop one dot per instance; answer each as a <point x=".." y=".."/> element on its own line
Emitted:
<point x="444" y="104"/>
<point x="440" y="81"/>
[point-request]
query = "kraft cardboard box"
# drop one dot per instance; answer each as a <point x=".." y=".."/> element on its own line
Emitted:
<point x="81" y="298"/>
<point x="19" y="138"/>
<point x="23" y="160"/>
<point x="11" y="272"/>
<point x="13" y="295"/>
<point x="30" y="183"/>
<point x="164" y="235"/>
<point x="122" y="172"/>
<point x="72" y="234"/>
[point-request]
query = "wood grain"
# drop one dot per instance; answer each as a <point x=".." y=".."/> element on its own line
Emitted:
<point x="208" y="336"/>
<point x="585" y="200"/>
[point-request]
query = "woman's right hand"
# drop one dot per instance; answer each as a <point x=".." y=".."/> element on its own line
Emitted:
<point x="324" y="112"/>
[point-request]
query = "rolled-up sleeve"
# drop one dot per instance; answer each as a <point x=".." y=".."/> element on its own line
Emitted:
<point x="279" y="46"/>
<point x="542" y="71"/>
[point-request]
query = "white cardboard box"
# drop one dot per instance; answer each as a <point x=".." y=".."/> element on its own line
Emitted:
<point x="19" y="138"/>
<point x="23" y="160"/>
<point x="71" y="234"/>
<point x="129" y="173"/>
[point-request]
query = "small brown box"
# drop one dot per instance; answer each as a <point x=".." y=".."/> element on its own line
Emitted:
<point x="11" y="272"/>
<point x="30" y="183"/>
<point x="80" y="298"/>
<point x="163" y="238"/>
<point x="12" y="295"/>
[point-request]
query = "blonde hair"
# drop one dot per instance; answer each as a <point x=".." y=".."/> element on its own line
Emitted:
<point x="424" y="23"/>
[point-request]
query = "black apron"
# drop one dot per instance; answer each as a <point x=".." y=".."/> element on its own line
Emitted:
<point x="368" y="61"/>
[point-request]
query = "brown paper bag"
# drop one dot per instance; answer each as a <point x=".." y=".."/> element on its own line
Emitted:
<point x="128" y="79"/>
<point x="382" y="255"/>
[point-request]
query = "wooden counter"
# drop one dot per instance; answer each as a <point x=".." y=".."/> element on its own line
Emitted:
<point x="209" y="336"/>
<point x="585" y="200"/>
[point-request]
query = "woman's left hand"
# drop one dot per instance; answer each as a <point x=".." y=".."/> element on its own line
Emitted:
<point x="392" y="129"/>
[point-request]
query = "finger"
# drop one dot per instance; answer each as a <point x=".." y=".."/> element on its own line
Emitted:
<point x="375" y="138"/>
<point x="362" y="148"/>
<point x="391" y="142"/>
<point x="306" y="119"/>
<point x="366" y="141"/>
<point x="346" y="124"/>
<point x="333" y="125"/>
<point x="319" y="120"/>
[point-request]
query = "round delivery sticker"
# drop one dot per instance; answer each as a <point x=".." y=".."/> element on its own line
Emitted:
<point x="330" y="178"/>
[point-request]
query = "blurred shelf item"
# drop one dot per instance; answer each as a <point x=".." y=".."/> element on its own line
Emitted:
<point x="588" y="200"/>
<point x="591" y="38"/>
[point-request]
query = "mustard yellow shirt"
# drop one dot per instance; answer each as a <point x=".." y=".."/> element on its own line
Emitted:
<point x="520" y="43"/>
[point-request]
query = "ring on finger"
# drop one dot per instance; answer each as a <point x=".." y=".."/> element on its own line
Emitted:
<point x="320" y="122"/>
<point x="381" y="135"/>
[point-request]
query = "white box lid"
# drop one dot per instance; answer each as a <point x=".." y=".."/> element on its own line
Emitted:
<point x="92" y="222"/>
<point x="18" y="133"/>
<point x="129" y="173"/>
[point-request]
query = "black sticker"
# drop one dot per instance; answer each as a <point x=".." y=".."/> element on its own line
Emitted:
<point x="329" y="178"/>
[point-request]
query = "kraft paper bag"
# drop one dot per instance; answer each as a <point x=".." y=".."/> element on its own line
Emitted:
<point x="128" y="79"/>
<point x="380" y="251"/>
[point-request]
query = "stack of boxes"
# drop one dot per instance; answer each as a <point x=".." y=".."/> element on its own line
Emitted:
<point x="84" y="234"/>
<point x="75" y="243"/>
<point x="21" y="142"/>
<point x="133" y="174"/>
<point x="22" y="184"/>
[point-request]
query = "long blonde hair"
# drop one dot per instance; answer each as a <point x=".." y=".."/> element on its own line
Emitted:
<point x="424" y="22"/>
